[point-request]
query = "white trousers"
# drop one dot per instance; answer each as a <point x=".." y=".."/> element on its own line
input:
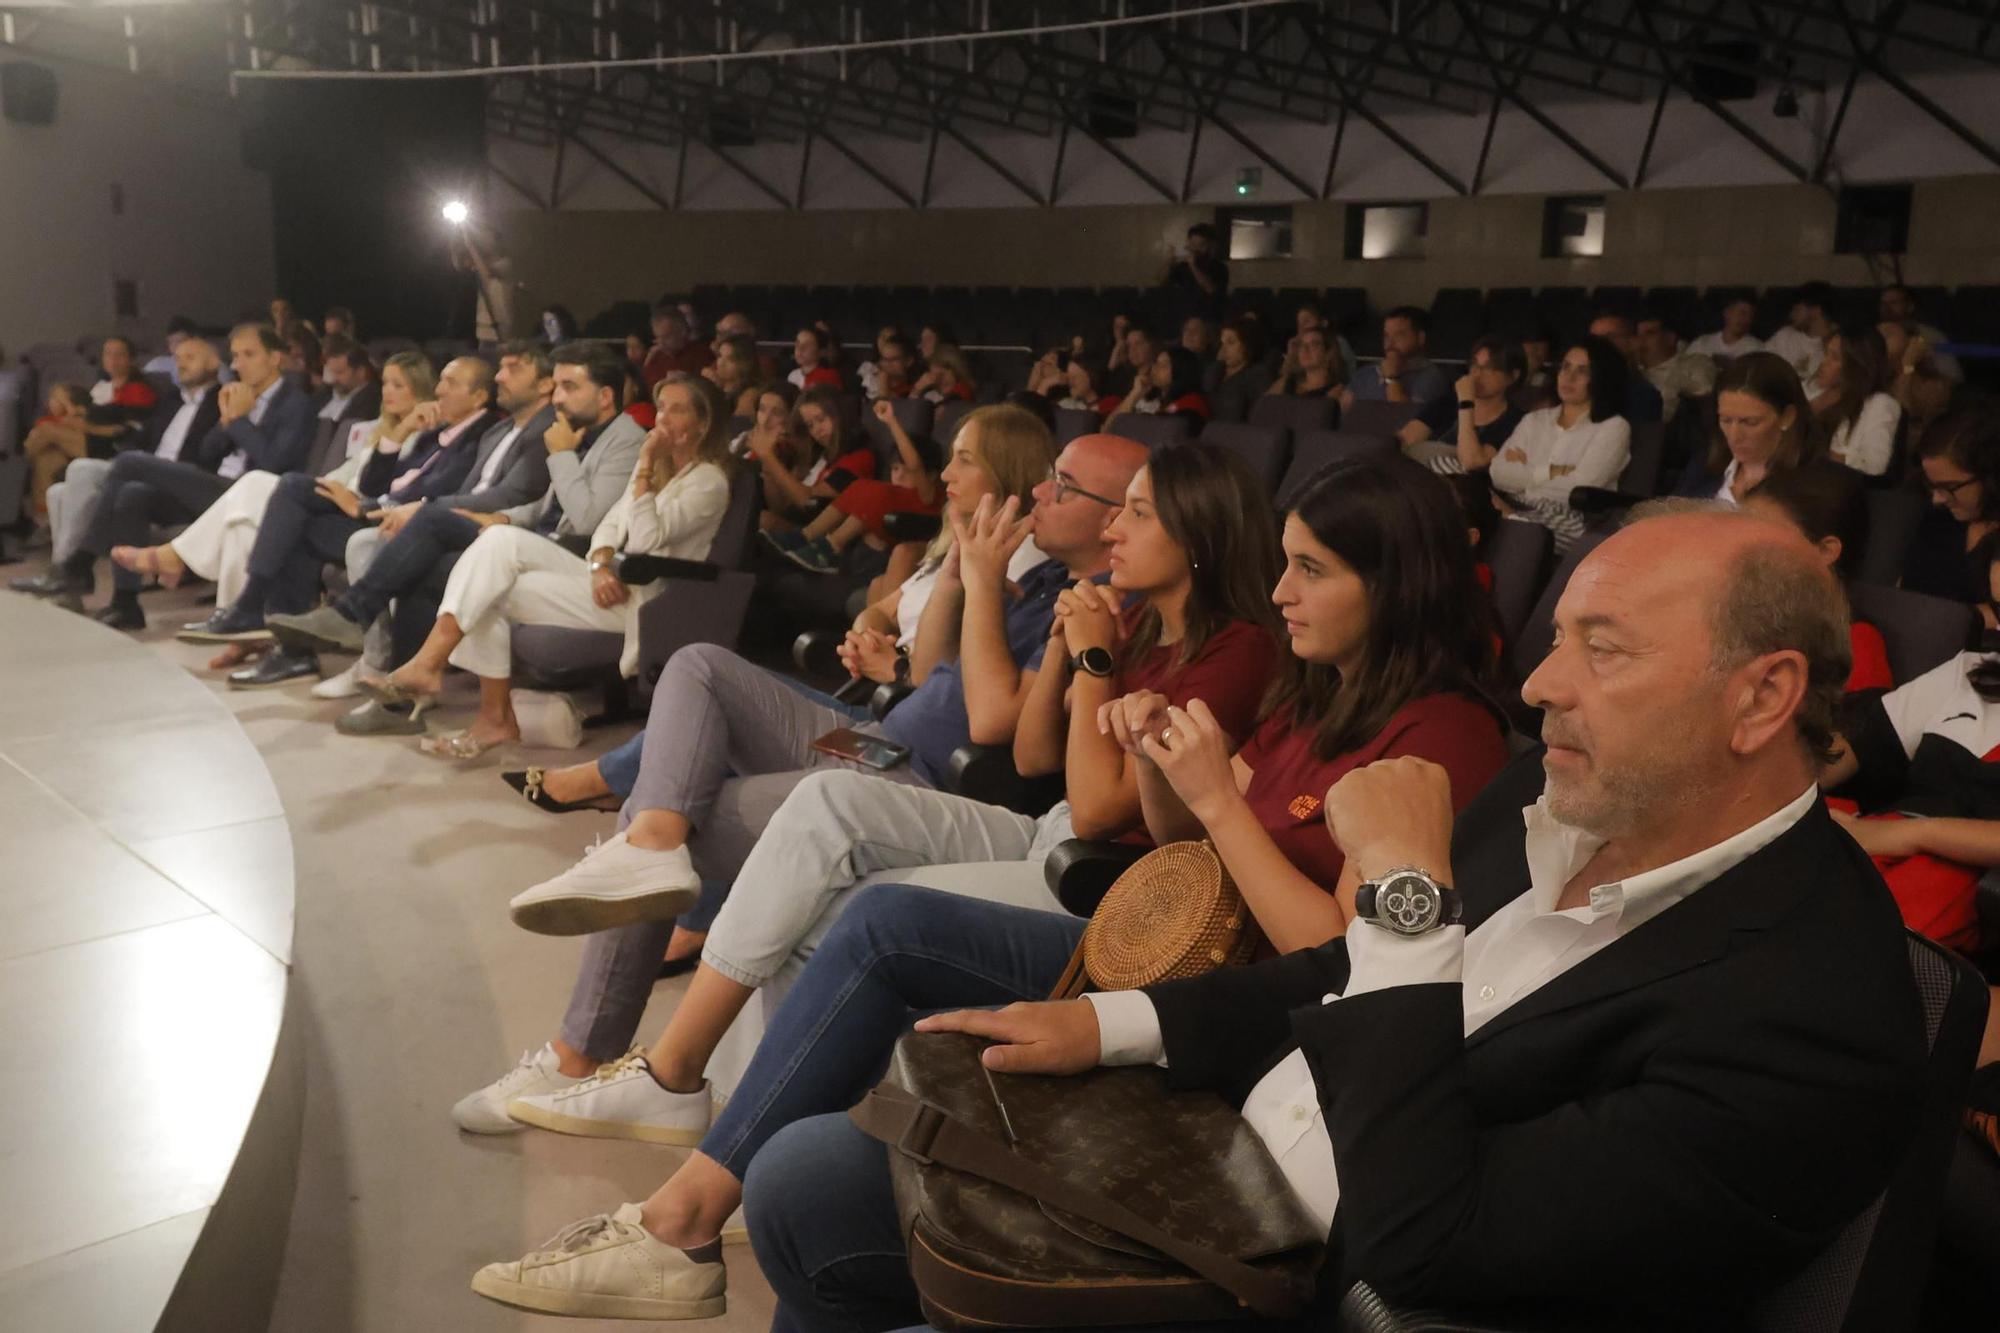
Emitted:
<point x="510" y="577"/>
<point x="217" y="545"/>
<point x="72" y="501"/>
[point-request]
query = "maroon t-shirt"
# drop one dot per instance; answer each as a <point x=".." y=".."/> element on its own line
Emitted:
<point x="1288" y="783"/>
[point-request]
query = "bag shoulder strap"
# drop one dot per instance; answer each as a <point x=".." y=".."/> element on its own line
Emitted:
<point x="929" y="1134"/>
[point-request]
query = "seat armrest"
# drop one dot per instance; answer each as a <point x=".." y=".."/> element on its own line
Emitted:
<point x="813" y="653"/>
<point x="1362" y="1310"/>
<point x="637" y="569"/>
<point x="986" y="773"/>
<point x="1081" y="871"/>
<point x="1601" y="500"/>
<point x="887" y="697"/>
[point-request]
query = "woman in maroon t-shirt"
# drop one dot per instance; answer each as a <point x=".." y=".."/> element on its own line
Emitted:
<point x="1194" y="552"/>
<point x="1391" y="647"/>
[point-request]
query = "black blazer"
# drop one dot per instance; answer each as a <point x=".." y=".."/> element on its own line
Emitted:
<point x="1676" y="1123"/>
<point x="206" y="414"/>
<point x="280" y="443"/>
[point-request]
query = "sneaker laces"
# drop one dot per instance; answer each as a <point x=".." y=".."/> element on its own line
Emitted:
<point x="624" y="1064"/>
<point x="529" y="1063"/>
<point x="578" y="1237"/>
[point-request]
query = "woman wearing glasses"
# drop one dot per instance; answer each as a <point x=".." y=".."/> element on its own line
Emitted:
<point x="1957" y="554"/>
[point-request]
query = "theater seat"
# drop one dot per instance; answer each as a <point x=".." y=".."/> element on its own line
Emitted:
<point x="1894" y="518"/>
<point x="1517" y="553"/>
<point x="1867" y="1278"/>
<point x="1155" y="431"/>
<point x="1296" y="415"/>
<point x="1538" y="632"/>
<point x="1264" y="448"/>
<point x="1374" y="416"/>
<point x="1919" y="630"/>
<point x="1315" y="449"/>
<point x="1073" y="423"/>
<point x="944" y="425"/>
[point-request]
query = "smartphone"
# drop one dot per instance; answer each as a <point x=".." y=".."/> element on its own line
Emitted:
<point x="868" y="751"/>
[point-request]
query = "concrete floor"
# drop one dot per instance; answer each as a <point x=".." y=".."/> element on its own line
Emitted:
<point x="417" y="989"/>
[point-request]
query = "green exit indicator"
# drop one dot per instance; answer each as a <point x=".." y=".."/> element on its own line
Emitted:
<point x="1247" y="181"/>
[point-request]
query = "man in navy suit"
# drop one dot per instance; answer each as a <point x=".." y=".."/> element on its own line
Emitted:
<point x="263" y="423"/>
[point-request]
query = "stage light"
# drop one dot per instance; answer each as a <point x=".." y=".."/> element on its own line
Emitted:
<point x="455" y="212"/>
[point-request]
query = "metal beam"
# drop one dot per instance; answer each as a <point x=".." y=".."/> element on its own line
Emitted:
<point x="1503" y="87"/>
<point x="869" y="169"/>
<point x="1486" y="144"/>
<point x="1720" y="112"/>
<point x="998" y="167"/>
<point x="604" y="160"/>
<point x="1652" y="136"/>
<point x="505" y="178"/>
<point x="1916" y="97"/>
<point x="1333" y="154"/>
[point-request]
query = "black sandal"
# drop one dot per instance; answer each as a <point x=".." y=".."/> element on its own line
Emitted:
<point x="528" y="782"/>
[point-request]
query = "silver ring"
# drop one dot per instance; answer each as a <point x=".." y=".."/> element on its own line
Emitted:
<point x="1166" y="735"/>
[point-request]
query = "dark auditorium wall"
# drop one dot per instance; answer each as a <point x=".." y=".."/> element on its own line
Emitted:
<point x="1755" y="235"/>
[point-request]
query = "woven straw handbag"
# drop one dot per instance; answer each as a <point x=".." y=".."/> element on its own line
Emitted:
<point x="1174" y="913"/>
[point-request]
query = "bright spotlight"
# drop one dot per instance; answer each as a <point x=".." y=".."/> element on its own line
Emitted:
<point x="455" y="212"/>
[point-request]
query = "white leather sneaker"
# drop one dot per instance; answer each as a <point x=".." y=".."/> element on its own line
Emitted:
<point x="615" y="884"/>
<point x="485" y="1111"/>
<point x="620" y="1101"/>
<point x="346" y="685"/>
<point x="609" y="1267"/>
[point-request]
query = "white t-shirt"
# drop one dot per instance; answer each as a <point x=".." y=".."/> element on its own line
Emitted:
<point x="917" y="589"/>
<point x="1868" y="443"/>
<point x="1942" y="702"/>
<point x="1802" y="351"/>
<point x="1590" y="453"/>
<point x="1711" y="344"/>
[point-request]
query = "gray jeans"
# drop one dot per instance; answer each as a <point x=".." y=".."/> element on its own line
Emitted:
<point x="361" y="549"/>
<point x="726" y="742"/>
<point x="71" y="503"/>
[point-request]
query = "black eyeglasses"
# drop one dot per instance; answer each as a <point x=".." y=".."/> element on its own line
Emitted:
<point x="1065" y="487"/>
<point x="1950" y="489"/>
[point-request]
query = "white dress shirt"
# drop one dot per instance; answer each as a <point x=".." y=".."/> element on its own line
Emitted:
<point x="1515" y="952"/>
<point x="174" y="438"/>
<point x="238" y="462"/>
<point x="1868" y="443"/>
<point x="336" y="404"/>
<point x="1543" y="460"/>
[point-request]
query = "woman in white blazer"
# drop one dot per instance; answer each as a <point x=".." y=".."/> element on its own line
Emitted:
<point x="511" y="576"/>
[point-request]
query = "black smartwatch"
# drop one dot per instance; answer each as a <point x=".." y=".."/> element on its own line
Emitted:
<point x="1408" y="901"/>
<point x="902" y="665"/>
<point x="1466" y="404"/>
<point x="1093" y="662"/>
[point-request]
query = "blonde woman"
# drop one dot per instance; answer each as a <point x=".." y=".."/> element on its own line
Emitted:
<point x="510" y="576"/>
<point x="217" y="545"/>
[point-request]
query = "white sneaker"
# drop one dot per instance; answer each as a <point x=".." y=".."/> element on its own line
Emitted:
<point x="346" y="685"/>
<point x="609" y="1267"/>
<point x="620" y="1101"/>
<point x="615" y="884"/>
<point x="485" y="1111"/>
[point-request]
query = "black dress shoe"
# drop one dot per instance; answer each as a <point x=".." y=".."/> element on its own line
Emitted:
<point x="120" y="615"/>
<point x="227" y="625"/>
<point x="48" y="583"/>
<point x="275" y="669"/>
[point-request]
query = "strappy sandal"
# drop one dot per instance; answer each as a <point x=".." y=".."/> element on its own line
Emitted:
<point x="528" y="782"/>
<point x="146" y="560"/>
<point x="385" y="691"/>
<point x="459" y="745"/>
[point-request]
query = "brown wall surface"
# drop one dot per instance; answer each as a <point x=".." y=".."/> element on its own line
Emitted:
<point x="1755" y="236"/>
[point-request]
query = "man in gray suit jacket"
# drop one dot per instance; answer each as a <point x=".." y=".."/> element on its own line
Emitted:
<point x="587" y="449"/>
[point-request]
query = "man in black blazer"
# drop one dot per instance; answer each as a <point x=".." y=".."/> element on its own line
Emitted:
<point x="1679" y="1045"/>
<point x="262" y="423"/>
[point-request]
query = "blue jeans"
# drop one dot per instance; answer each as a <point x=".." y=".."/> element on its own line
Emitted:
<point x="897" y="952"/>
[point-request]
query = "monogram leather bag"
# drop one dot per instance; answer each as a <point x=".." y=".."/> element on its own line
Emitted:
<point x="1034" y="1202"/>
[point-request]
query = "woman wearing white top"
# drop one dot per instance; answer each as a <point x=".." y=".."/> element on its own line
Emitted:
<point x="1861" y="415"/>
<point x="1582" y="441"/>
<point x="1765" y="425"/>
<point x="511" y="576"/>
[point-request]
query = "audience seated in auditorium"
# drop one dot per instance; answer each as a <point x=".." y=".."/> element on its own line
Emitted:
<point x="1172" y="387"/>
<point x="1081" y="387"/>
<point x="1828" y="506"/>
<point x="1857" y="412"/>
<point x="946" y="377"/>
<point x="1389" y="659"/>
<point x="58" y="437"/>
<point x="837" y="827"/>
<point x="1132" y="349"/>
<point x="1958" y="554"/>
<point x="263" y="423"/>
<point x="308" y="522"/>
<point x="1643" y="401"/>
<point x="1897" y="306"/>
<point x="736" y="371"/>
<point x="558" y="326"/>
<point x="859" y="512"/>
<point x="1583" y="440"/>
<point x="814" y="462"/>
<point x="161" y="364"/>
<point x="112" y="414"/>
<point x="353" y="400"/>
<point x="1487" y="416"/>
<point x="1687" y="1048"/>
<point x="304" y="360"/>
<point x="726" y="742"/>
<point x="338" y="321"/>
<point x="1311" y="315"/>
<point x="1676" y="371"/>
<point x="588" y="450"/>
<point x="1764" y="425"/>
<point x="218" y="545"/>
<point x="1734" y="338"/>
<point x="674" y="348"/>
<point x="1801" y="340"/>
<point x="810" y="367"/>
<point x="1405" y="374"/>
<point x="673" y="506"/>
<point x="1309" y="370"/>
<point x="892" y="373"/>
<point x="177" y="426"/>
<point x="1238" y="377"/>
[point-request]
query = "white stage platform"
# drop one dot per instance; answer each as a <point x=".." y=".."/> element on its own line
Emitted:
<point x="149" y="1146"/>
